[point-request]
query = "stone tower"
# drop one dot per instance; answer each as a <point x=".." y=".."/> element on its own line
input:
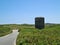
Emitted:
<point x="39" y="22"/>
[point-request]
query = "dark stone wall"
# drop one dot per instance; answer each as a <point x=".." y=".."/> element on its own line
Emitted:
<point x="39" y="22"/>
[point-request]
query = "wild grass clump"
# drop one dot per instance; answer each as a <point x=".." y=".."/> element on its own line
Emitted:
<point x="4" y="30"/>
<point x="31" y="36"/>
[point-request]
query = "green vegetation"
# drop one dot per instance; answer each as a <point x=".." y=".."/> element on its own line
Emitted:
<point x="4" y="30"/>
<point x="28" y="35"/>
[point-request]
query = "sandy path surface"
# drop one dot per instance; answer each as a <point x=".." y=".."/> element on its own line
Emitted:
<point x="9" y="39"/>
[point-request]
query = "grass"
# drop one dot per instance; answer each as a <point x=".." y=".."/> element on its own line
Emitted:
<point x="31" y="36"/>
<point x="28" y="35"/>
<point x="4" y="30"/>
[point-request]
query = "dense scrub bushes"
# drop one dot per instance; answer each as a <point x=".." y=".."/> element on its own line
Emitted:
<point x="32" y="36"/>
<point x="4" y="30"/>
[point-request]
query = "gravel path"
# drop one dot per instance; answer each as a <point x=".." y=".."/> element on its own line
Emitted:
<point x="9" y="39"/>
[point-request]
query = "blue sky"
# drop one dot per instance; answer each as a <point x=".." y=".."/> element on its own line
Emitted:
<point x="24" y="11"/>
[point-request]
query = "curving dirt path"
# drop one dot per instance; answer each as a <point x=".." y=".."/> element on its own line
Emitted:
<point x="9" y="39"/>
